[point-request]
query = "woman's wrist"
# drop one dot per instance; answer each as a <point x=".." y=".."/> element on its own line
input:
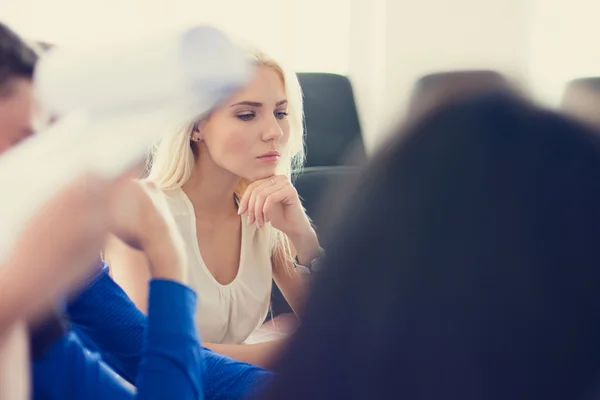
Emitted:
<point x="306" y="245"/>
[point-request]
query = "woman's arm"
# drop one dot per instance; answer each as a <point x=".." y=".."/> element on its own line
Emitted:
<point x="275" y="200"/>
<point x="129" y="268"/>
<point x="291" y="283"/>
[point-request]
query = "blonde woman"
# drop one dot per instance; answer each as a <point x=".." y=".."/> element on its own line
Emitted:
<point x="226" y="180"/>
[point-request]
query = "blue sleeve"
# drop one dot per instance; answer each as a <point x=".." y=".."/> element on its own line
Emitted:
<point x="171" y="365"/>
<point x="108" y="322"/>
<point x="67" y="371"/>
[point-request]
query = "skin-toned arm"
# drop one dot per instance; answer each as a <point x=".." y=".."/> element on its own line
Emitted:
<point x="14" y="365"/>
<point x="130" y="269"/>
<point x="130" y="262"/>
<point x="275" y="200"/>
<point x="292" y="285"/>
<point x="55" y="252"/>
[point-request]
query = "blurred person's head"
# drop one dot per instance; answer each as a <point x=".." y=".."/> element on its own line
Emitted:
<point x="465" y="266"/>
<point x="17" y="62"/>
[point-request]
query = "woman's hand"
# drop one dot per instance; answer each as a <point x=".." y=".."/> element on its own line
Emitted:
<point x="275" y="200"/>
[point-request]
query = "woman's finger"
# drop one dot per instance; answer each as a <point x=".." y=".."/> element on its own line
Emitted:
<point x="252" y="214"/>
<point x="243" y="207"/>
<point x="259" y="205"/>
<point x="245" y="201"/>
<point x="277" y="198"/>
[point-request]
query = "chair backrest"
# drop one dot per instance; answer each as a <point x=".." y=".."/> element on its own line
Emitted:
<point x="581" y="100"/>
<point x="331" y="120"/>
<point x="315" y="185"/>
<point x="434" y="90"/>
<point x="319" y="188"/>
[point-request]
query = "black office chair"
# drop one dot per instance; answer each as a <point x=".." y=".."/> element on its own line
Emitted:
<point x="318" y="187"/>
<point x="333" y="135"/>
<point x="331" y="121"/>
<point x="434" y="90"/>
<point x="582" y="100"/>
<point x="333" y="140"/>
<point x="321" y="190"/>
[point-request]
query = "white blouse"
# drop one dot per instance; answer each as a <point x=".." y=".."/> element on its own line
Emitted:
<point x="226" y="313"/>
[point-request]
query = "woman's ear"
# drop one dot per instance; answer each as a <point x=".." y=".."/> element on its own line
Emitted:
<point x="196" y="136"/>
<point x="196" y="132"/>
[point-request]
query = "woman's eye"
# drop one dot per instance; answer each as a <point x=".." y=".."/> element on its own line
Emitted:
<point x="245" y="117"/>
<point x="281" y="114"/>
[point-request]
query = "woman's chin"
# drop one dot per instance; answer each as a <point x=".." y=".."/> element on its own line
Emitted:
<point x="262" y="173"/>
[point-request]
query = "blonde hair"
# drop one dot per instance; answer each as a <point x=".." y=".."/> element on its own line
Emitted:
<point x="172" y="160"/>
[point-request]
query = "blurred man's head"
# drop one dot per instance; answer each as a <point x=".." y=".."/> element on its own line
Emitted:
<point x="17" y="62"/>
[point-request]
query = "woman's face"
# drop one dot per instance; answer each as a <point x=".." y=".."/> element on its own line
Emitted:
<point x="247" y="135"/>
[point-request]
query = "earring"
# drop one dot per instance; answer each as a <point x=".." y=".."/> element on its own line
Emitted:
<point x="196" y="139"/>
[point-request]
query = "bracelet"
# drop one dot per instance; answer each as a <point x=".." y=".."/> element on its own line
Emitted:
<point x="313" y="267"/>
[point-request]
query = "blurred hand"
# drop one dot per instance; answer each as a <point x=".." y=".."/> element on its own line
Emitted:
<point x="133" y="216"/>
<point x="140" y="223"/>
<point x="58" y="248"/>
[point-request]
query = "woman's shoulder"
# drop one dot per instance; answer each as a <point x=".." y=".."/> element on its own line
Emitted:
<point x="150" y="185"/>
<point x="171" y="197"/>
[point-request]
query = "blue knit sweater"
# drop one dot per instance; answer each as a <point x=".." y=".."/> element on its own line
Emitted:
<point x="109" y="334"/>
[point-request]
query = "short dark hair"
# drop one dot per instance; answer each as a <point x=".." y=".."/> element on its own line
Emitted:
<point x="466" y="266"/>
<point x="17" y="59"/>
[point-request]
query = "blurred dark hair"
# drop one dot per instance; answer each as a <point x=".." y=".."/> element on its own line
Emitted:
<point x="17" y="59"/>
<point x="466" y="266"/>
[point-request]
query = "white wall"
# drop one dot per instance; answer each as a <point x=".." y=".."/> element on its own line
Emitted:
<point x="433" y="35"/>
<point x="308" y="40"/>
<point x="541" y="43"/>
<point x="367" y="63"/>
<point x="383" y="45"/>
<point x="564" y="45"/>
